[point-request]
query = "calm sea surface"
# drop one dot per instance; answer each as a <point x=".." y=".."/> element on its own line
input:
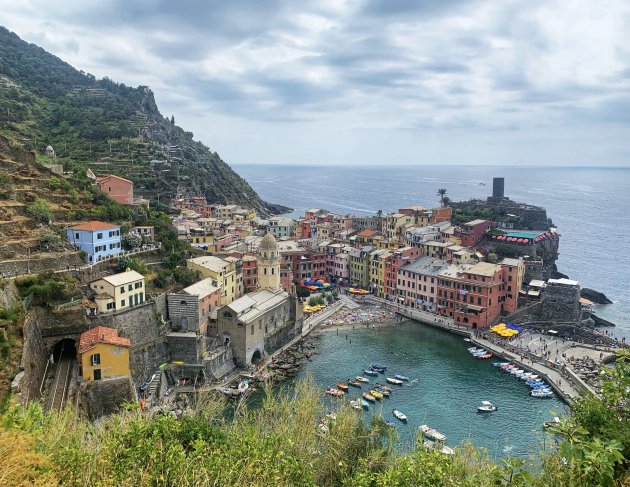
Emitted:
<point x="590" y="207"/>
<point x="450" y="385"/>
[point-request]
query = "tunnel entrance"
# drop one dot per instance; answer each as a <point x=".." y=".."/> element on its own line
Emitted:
<point x="65" y="348"/>
<point x="256" y="357"/>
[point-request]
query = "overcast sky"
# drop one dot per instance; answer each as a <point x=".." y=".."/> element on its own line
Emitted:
<point x="364" y="82"/>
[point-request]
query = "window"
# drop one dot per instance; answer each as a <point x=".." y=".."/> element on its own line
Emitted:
<point x="252" y="332"/>
<point x="95" y="359"/>
<point x="97" y="374"/>
<point x="99" y="235"/>
<point x="130" y="287"/>
<point x="111" y="305"/>
<point x="138" y="285"/>
<point x="76" y="236"/>
<point x="122" y="289"/>
<point x="122" y="303"/>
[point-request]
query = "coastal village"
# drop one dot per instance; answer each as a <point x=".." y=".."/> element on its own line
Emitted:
<point x="261" y="285"/>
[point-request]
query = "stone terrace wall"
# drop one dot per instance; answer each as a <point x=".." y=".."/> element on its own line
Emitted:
<point x="52" y="261"/>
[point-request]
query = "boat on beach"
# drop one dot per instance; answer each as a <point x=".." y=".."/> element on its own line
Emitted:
<point x="394" y="381"/>
<point x="401" y="377"/>
<point x="486" y="407"/>
<point x="370" y="372"/>
<point x="399" y="415"/>
<point x="360" y="378"/>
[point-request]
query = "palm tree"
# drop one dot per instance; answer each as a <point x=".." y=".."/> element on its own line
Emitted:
<point x="446" y="201"/>
<point x="441" y="194"/>
<point x="379" y="215"/>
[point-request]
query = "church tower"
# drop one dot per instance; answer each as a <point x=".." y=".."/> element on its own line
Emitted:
<point x="268" y="263"/>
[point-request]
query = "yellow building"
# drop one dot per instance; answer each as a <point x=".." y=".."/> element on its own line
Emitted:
<point x="118" y="292"/>
<point x="377" y="271"/>
<point x="201" y="240"/>
<point x="360" y="267"/>
<point x="103" y="354"/>
<point x="394" y="225"/>
<point x="222" y="271"/>
<point x="381" y="242"/>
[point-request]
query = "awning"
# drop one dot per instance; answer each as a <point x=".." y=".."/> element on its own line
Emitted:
<point x="474" y="308"/>
<point x="533" y="293"/>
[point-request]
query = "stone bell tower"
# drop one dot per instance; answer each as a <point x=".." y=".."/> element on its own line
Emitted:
<point x="268" y="263"/>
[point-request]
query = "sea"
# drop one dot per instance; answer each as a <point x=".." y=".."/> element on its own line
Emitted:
<point x="589" y="206"/>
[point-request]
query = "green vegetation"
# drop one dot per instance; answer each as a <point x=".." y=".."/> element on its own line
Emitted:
<point x="302" y="292"/>
<point x="280" y="443"/>
<point x="503" y="250"/>
<point x="125" y="262"/>
<point x="317" y="300"/>
<point x="47" y="288"/>
<point x="40" y="211"/>
<point x="180" y="275"/>
<point x="9" y="319"/>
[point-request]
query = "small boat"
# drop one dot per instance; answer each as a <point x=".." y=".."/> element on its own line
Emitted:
<point x="484" y="356"/>
<point x="368" y="397"/>
<point x="384" y="387"/>
<point x="376" y="394"/>
<point x="399" y="415"/>
<point x="356" y="405"/>
<point x="486" y="407"/>
<point x="500" y="364"/>
<point x="334" y="392"/>
<point x="401" y="377"/>
<point x="370" y="372"/>
<point x="435" y="445"/>
<point x="508" y="367"/>
<point x="392" y="380"/>
<point x="389" y="423"/>
<point x="364" y="403"/>
<point x="473" y="349"/>
<point x="432" y="434"/>
<point x="362" y="379"/>
<point x="467" y="339"/>
<point x="353" y="383"/>
<point x="480" y="352"/>
<point x="342" y="387"/>
<point x="551" y="424"/>
<point x="516" y="371"/>
<point x="243" y="386"/>
<point x="544" y="393"/>
<point x="384" y="392"/>
<point x="530" y="377"/>
<point x="378" y="367"/>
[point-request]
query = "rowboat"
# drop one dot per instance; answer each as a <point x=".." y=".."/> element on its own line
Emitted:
<point x="383" y="391"/>
<point x="530" y="377"/>
<point x="376" y="394"/>
<point x="484" y="356"/>
<point x="401" y="377"/>
<point x="392" y="380"/>
<point x="500" y="364"/>
<point x="486" y="407"/>
<point x="368" y="397"/>
<point x="356" y="405"/>
<point x="399" y="415"/>
<point x="479" y="352"/>
<point x="379" y="367"/>
<point x="516" y="371"/>
<point x="364" y="403"/>
<point x="389" y="423"/>
<point x="551" y="424"/>
<point x="473" y="349"/>
<point x="353" y="383"/>
<point x="384" y="387"/>
<point x="334" y="392"/>
<point x="342" y="387"/>
<point x="370" y="372"/>
<point x="362" y="379"/>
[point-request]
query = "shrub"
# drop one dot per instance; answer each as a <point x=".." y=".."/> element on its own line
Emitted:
<point x="126" y="262"/>
<point x="40" y="211"/>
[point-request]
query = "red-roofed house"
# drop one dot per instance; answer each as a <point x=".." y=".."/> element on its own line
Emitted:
<point x="99" y="240"/>
<point x="117" y="188"/>
<point x="103" y="354"/>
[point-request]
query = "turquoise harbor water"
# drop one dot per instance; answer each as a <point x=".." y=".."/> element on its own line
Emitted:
<point x="450" y="385"/>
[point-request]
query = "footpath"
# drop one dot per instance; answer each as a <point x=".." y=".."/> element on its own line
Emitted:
<point x="561" y="384"/>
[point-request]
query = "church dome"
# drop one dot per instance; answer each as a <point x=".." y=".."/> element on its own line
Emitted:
<point x="268" y="243"/>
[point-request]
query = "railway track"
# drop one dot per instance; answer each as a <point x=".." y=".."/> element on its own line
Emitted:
<point x="61" y="384"/>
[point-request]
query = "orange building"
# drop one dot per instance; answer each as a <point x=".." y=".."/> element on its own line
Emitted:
<point x="117" y="188"/>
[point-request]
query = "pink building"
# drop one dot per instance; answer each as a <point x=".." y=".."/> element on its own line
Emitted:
<point x="117" y="188"/>
<point x="418" y="283"/>
<point x="472" y="233"/>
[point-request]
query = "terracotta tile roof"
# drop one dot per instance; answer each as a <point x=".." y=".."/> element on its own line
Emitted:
<point x="93" y="225"/>
<point x="367" y="233"/>
<point x="105" y="178"/>
<point x="101" y="334"/>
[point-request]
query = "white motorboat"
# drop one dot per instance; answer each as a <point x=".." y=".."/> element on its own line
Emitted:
<point x="542" y="393"/>
<point x="473" y="349"/>
<point x="393" y="380"/>
<point x="356" y="405"/>
<point x="486" y="407"/>
<point x="435" y="445"/>
<point x="399" y="415"/>
<point x="516" y="371"/>
<point x="466" y="339"/>
<point x="432" y="434"/>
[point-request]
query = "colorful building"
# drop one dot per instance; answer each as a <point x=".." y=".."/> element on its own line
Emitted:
<point x="99" y="240"/>
<point x="360" y="267"/>
<point x="117" y="188"/>
<point x="191" y="308"/>
<point x="118" y="292"/>
<point x="473" y="232"/>
<point x="398" y="258"/>
<point x="377" y="260"/>
<point x="417" y="283"/>
<point x="102" y="354"/>
<point x="220" y="270"/>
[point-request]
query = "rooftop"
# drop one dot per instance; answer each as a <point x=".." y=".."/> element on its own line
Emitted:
<point x="113" y="176"/>
<point x="210" y="262"/>
<point x="475" y="222"/>
<point x="484" y="269"/>
<point x="122" y="278"/>
<point x="563" y="282"/>
<point x="92" y="226"/>
<point x="428" y="266"/>
<point x="101" y="334"/>
<point x="254" y="304"/>
<point x="202" y="288"/>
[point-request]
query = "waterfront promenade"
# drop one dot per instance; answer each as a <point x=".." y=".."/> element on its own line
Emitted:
<point x="566" y="384"/>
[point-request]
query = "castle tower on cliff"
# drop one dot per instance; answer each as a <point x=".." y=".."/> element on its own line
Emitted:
<point x="268" y="263"/>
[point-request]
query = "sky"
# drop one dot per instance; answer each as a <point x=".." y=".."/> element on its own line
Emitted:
<point x="364" y="82"/>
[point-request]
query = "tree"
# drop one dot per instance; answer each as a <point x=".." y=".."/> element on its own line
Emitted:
<point x="446" y="201"/>
<point x="132" y="240"/>
<point x="125" y="263"/>
<point x="441" y="194"/>
<point x="40" y="210"/>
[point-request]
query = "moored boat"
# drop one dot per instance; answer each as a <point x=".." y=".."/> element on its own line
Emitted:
<point x="360" y="378"/>
<point x="544" y="393"/>
<point x="401" y="377"/>
<point x="551" y="424"/>
<point x="484" y="356"/>
<point x="383" y="391"/>
<point x="394" y="381"/>
<point x="334" y="392"/>
<point x="368" y="397"/>
<point x="399" y="415"/>
<point x="353" y="383"/>
<point x="530" y="377"/>
<point x="376" y="394"/>
<point x="500" y="364"/>
<point x="342" y="387"/>
<point x="379" y="367"/>
<point x="431" y="433"/>
<point x="370" y="372"/>
<point x="486" y="407"/>
<point x="383" y="386"/>
<point x="356" y="405"/>
<point x="389" y="423"/>
<point x="364" y="403"/>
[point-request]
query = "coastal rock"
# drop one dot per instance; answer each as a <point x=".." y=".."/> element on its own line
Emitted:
<point x="595" y="296"/>
<point x="601" y="321"/>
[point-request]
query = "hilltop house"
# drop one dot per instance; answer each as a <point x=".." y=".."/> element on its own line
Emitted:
<point x="98" y="240"/>
<point x="103" y="354"/>
<point x="117" y="188"/>
<point x="118" y="292"/>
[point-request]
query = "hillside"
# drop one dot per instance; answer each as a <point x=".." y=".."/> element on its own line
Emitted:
<point x="109" y="128"/>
